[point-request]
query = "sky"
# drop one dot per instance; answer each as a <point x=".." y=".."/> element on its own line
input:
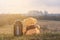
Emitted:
<point x="23" y="6"/>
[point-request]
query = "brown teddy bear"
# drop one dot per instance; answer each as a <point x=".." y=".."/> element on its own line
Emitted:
<point x="30" y="26"/>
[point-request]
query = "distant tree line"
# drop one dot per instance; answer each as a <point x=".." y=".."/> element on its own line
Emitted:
<point x="44" y="15"/>
<point x="56" y="18"/>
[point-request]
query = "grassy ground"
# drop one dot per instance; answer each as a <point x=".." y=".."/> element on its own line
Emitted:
<point x="6" y="29"/>
<point x="6" y="32"/>
<point x="33" y="37"/>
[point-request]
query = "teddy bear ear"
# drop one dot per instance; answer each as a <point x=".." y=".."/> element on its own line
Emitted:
<point x="30" y="21"/>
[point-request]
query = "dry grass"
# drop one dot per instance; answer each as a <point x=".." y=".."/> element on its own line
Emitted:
<point x="6" y="29"/>
<point x="47" y="36"/>
<point x="6" y="32"/>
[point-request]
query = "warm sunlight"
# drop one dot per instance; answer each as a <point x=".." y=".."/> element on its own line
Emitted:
<point x="23" y="6"/>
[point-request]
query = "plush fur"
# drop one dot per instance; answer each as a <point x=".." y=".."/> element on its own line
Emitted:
<point x="33" y="30"/>
<point x="30" y="26"/>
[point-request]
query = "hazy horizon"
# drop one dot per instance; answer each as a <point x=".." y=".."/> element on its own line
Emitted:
<point x="23" y="6"/>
